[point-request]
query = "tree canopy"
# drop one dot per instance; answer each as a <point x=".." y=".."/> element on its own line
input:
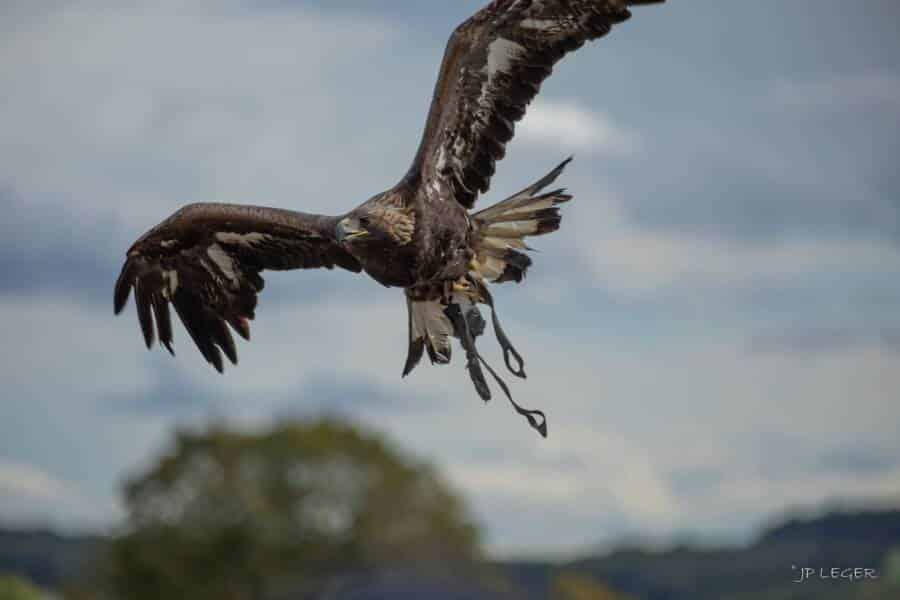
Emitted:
<point x="230" y="514"/>
<point x="16" y="588"/>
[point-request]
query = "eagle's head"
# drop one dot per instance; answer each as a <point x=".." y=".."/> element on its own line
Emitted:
<point x="378" y="225"/>
<point x="355" y="229"/>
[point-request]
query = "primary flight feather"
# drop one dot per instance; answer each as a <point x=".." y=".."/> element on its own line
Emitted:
<point x="206" y="259"/>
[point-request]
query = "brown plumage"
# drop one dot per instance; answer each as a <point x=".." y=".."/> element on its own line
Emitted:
<point x="206" y="259"/>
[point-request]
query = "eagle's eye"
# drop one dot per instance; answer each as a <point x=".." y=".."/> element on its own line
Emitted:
<point x="364" y="222"/>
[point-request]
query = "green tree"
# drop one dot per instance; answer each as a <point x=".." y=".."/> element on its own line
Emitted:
<point x="239" y="515"/>
<point x="16" y="588"/>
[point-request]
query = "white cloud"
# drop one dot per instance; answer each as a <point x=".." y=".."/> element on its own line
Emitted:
<point x="31" y="494"/>
<point x="750" y="494"/>
<point x="569" y="126"/>
<point x="579" y="463"/>
<point x="31" y="482"/>
<point x="643" y="261"/>
<point x="634" y="260"/>
<point x="581" y="475"/>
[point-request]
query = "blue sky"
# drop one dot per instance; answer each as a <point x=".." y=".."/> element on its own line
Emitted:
<point x="714" y="332"/>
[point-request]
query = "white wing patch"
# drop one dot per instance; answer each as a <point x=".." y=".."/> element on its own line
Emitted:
<point x="434" y="187"/>
<point x="170" y="277"/>
<point x="501" y="54"/>
<point x="539" y="24"/>
<point x="441" y="159"/>
<point x="224" y="261"/>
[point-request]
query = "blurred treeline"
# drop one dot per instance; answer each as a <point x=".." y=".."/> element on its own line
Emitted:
<point x="324" y="510"/>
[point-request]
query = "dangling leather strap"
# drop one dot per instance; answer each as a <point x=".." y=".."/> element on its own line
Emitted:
<point x="536" y="418"/>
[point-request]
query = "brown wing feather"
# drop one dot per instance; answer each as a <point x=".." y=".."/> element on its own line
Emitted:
<point x="493" y="67"/>
<point x="206" y="260"/>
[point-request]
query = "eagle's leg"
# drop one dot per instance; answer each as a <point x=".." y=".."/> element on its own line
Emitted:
<point x="462" y="331"/>
<point x="469" y="293"/>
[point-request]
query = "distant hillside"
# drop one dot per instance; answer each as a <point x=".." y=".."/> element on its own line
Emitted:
<point x="761" y="570"/>
<point x="44" y="557"/>
<point x="764" y="569"/>
<point x="48" y="559"/>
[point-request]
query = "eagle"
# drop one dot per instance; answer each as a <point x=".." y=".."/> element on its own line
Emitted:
<point x="421" y="235"/>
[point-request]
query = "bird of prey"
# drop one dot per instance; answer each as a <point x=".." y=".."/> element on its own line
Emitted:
<point x="420" y="235"/>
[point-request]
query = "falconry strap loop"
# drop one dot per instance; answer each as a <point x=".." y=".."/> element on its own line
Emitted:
<point x="536" y="418"/>
<point x="505" y="344"/>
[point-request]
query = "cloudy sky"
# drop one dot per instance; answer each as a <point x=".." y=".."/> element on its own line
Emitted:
<point x="714" y="333"/>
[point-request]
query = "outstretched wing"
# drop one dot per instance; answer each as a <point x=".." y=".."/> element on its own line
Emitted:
<point x="206" y="261"/>
<point x="493" y="67"/>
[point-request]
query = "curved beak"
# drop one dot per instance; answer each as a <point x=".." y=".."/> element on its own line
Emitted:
<point x="348" y="230"/>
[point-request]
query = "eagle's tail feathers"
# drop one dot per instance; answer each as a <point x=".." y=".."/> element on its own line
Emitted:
<point x="504" y="265"/>
<point x="524" y="196"/>
<point x="501" y="229"/>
